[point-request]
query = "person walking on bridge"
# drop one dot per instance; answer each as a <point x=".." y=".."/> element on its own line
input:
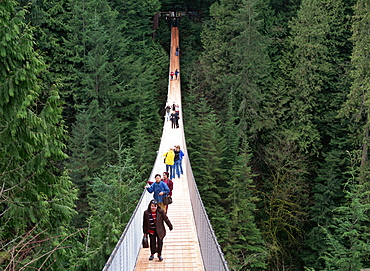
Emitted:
<point x="181" y="155"/>
<point x="168" y="111"/>
<point x="166" y="179"/>
<point x="174" y="120"/>
<point x="160" y="190"/>
<point x="169" y="160"/>
<point x="153" y="225"/>
<point x="176" y="166"/>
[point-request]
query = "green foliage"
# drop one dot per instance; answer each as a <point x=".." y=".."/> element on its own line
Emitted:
<point x="37" y="197"/>
<point x="347" y="237"/>
<point x="244" y="246"/>
<point x="285" y="201"/>
<point x="336" y="138"/>
<point x="50" y="19"/>
<point x="191" y="48"/>
<point x="210" y="146"/>
<point x="235" y="60"/>
<point x="95" y="136"/>
<point x="262" y="85"/>
<point x="143" y="150"/>
<point x="356" y="106"/>
<point x="309" y="73"/>
<point x="327" y="195"/>
<point x="206" y="156"/>
<point x="136" y="15"/>
<point x="113" y="88"/>
<point x="114" y="195"/>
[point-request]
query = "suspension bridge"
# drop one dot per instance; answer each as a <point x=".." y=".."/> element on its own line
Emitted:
<point x="192" y="244"/>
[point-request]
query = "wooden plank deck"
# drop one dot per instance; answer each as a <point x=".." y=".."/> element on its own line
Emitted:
<point x="181" y="250"/>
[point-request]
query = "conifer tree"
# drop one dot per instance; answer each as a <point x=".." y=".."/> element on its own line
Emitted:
<point x="191" y="113"/>
<point x="309" y="91"/>
<point x="93" y="40"/>
<point x="356" y="105"/>
<point x="50" y="19"/>
<point x="334" y="133"/>
<point x="37" y="198"/>
<point x="309" y="74"/>
<point x="206" y="157"/>
<point x="232" y="136"/>
<point x="283" y="203"/>
<point x="209" y="162"/>
<point x="137" y="15"/>
<point x="108" y="135"/>
<point x="249" y="65"/>
<point x="114" y="195"/>
<point x="109" y="70"/>
<point x="244" y="246"/>
<point x="235" y="59"/>
<point x="143" y="150"/>
<point x="84" y="161"/>
<point x="347" y="236"/>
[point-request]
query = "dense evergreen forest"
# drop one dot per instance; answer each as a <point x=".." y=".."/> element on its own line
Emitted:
<point x="275" y="100"/>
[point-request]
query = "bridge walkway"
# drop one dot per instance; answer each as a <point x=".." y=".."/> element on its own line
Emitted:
<point x="181" y="250"/>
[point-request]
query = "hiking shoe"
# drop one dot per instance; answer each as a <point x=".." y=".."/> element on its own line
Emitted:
<point x="160" y="258"/>
<point x="151" y="257"/>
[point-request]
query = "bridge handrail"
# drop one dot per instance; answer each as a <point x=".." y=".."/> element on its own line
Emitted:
<point x="124" y="255"/>
<point x="127" y="248"/>
<point x="212" y="255"/>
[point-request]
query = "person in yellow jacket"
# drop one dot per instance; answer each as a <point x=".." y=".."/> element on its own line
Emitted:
<point x="170" y="161"/>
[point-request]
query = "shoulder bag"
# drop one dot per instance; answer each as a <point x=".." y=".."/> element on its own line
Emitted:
<point x="167" y="200"/>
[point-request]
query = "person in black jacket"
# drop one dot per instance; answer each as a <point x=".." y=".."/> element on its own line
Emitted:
<point x="154" y="226"/>
<point x="176" y="166"/>
<point x="174" y="120"/>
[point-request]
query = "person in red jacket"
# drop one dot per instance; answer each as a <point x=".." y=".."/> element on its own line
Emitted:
<point x="153" y="225"/>
<point x="166" y="179"/>
<point x="171" y="74"/>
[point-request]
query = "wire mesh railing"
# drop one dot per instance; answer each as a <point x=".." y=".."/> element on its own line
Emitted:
<point x="212" y="255"/>
<point x="124" y="255"/>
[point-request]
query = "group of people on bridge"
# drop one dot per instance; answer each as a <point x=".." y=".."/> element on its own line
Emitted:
<point x="173" y="116"/>
<point x="156" y="214"/>
<point x="176" y="73"/>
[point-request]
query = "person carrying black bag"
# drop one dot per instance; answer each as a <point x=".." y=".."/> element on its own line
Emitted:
<point x="153" y="225"/>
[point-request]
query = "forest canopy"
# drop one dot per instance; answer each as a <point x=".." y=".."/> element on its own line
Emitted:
<point x="275" y="98"/>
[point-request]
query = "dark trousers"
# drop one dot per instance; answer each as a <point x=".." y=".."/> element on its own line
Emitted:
<point x="170" y="170"/>
<point x="156" y="244"/>
<point x="176" y="169"/>
<point x="174" y="125"/>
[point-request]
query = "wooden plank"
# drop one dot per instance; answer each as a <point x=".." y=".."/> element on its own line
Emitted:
<point x="180" y="246"/>
<point x="181" y="251"/>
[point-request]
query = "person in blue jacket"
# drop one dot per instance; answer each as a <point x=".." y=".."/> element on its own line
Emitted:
<point x="181" y="155"/>
<point x="160" y="190"/>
